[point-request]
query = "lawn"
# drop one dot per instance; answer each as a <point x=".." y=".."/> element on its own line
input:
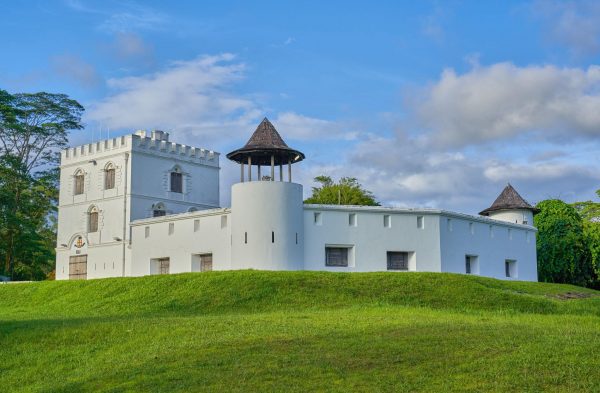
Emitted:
<point x="297" y="332"/>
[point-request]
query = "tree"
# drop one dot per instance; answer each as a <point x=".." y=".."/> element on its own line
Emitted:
<point x="345" y="192"/>
<point x="590" y="213"/>
<point x="563" y="255"/>
<point x="33" y="127"/>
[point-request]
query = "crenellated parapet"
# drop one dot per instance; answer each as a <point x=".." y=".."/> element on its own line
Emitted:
<point x="156" y="144"/>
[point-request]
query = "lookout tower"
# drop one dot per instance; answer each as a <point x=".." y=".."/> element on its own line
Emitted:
<point x="267" y="226"/>
<point x="511" y="207"/>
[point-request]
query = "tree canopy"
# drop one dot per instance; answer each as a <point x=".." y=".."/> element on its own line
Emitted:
<point x="33" y="127"/>
<point x="347" y="191"/>
<point x="562" y="248"/>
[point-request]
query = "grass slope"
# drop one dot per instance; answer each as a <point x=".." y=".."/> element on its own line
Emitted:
<point x="299" y="331"/>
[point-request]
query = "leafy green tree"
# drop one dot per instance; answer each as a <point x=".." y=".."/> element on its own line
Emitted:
<point x="33" y="127"/>
<point x="590" y="213"/>
<point x="345" y="192"/>
<point x="563" y="255"/>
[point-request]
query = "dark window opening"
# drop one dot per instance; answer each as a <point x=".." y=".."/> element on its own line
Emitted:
<point x="336" y="256"/>
<point x="176" y="182"/>
<point x="158" y="213"/>
<point x="245" y="237"/>
<point x="397" y="260"/>
<point x="272" y="237"/>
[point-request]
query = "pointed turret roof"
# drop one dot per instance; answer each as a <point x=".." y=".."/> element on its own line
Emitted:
<point x="264" y="143"/>
<point x="509" y="199"/>
<point x="266" y="136"/>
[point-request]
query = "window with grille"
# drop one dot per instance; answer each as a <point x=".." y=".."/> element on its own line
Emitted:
<point x="336" y="256"/>
<point x="176" y="182"/>
<point x="163" y="266"/>
<point x="93" y="221"/>
<point x="397" y="260"/>
<point x="109" y="178"/>
<point x="158" y="213"/>
<point x="79" y="182"/>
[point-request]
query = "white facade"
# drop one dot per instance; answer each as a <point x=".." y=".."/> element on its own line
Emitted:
<point x="142" y="168"/>
<point x="267" y="226"/>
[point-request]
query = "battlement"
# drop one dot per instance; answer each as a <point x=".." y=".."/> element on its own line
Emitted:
<point x="158" y="143"/>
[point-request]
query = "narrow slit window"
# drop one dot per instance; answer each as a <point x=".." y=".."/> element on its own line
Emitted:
<point x="420" y="222"/>
<point x="171" y="228"/>
<point x="147" y="232"/>
<point x="196" y="225"/>
<point x="317" y="218"/>
<point x="272" y="237"/>
<point x="387" y="222"/>
<point x="352" y="219"/>
<point x="245" y="237"/>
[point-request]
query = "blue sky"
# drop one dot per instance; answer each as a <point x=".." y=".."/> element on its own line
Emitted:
<point x="434" y="104"/>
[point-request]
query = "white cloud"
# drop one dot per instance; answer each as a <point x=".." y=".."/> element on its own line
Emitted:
<point x="191" y="97"/>
<point x="504" y="100"/>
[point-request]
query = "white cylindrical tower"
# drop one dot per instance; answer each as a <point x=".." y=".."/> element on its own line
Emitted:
<point x="267" y="226"/>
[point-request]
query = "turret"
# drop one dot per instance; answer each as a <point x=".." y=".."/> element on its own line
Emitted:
<point x="267" y="215"/>
<point x="511" y="207"/>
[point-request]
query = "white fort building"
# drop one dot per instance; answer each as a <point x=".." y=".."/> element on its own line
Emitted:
<point x="140" y="204"/>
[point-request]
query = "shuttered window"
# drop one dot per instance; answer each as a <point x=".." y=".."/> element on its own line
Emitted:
<point x="336" y="256"/>
<point x="109" y="179"/>
<point x="397" y="260"/>
<point x="93" y="222"/>
<point x="79" y="180"/>
<point x="176" y="182"/>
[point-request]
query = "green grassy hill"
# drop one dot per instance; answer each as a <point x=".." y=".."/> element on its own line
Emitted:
<point x="299" y="331"/>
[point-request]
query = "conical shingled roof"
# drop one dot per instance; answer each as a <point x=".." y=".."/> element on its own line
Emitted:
<point x="265" y="143"/>
<point x="266" y="136"/>
<point x="509" y="199"/>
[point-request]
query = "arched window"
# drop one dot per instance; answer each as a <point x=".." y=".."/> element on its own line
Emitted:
<point x="93" y="220"/>
<point x="176" y="180"/>
<point x="158" y="210"/>
<point x="79" y="182"/>
<point x="109" y="177"/>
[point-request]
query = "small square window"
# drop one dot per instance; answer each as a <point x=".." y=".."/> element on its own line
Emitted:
<point x="352" y="219"/>
<point x="317" y="218"/>
<point x="420" y="222"/>
<point x="387" y="221"/>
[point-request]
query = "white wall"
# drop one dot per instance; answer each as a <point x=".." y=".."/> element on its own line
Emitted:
<point x="492" y="242"/>
<point x="212" y="237"/>
<point x="259" y="210"/>
<point x="370" y="239"/>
